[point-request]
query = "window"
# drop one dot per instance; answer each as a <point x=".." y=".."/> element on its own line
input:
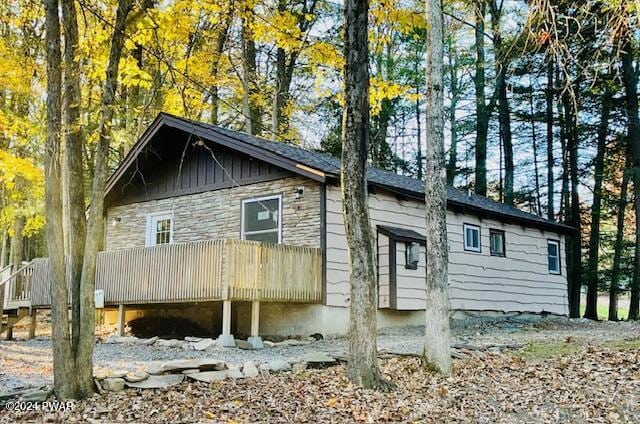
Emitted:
<point x="496" y="242"/>
<point x="261" y="219"/>
<point x="411" y="255"/>
<point x="553" y="254"/>
<point x="471" y="238"/>
<point x="159" y="228"/>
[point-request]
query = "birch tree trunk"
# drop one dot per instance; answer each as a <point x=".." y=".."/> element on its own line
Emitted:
<point x="363" y="355"/>
<point x="95" y="225"/>
<point x="437" y="350"/>
<point x="64" y="377"/>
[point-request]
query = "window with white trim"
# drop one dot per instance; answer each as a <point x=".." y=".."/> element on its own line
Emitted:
<point x="261" y="219"/>
<point x="159" y="228"/>
<point x="471" y="238"/>
<point x="553" y="254"/>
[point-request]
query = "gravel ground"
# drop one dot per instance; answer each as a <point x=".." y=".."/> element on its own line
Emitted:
<point x="27" y="363"/>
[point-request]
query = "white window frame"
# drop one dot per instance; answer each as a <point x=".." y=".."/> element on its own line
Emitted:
<point x="152" y="219"/>
<point x="557" y="271"/>
<point x="468" y="247"/>
<point x="260" y="199"/>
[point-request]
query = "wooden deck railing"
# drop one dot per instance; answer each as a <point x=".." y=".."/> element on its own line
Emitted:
<point x="198" y="272"/>
<point x="16" y="287"/>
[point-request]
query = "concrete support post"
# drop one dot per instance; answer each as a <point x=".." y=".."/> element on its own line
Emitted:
<point x="32" y="323"/>
<point x="226" y="338"/>
<point x="121" y="319"/>
<point x="9" y="335"/>
<point x="255" y="339"/>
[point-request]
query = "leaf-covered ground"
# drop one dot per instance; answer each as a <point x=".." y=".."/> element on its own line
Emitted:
<point x="565" y="381"/>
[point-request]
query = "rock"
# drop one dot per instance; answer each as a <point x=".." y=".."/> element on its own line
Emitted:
<point x="233" y="373"/>
<point x="317" y="336"/>
<point x="154" y="367"/>
<point x="113" y="384"/>
<point x="244" y="345"/>
<point x="250" y="370"/>
<point x="299" y="367"/>
<point x="37" y="395"/>
<point x="99" y="374"/>
<point x="203" y="344"/>
<point x="208" y="376"/>
<point x="99" y="388"/>
<point x="158" y="381"/>
<point x="211" y="365"/>
<point x="169" y="343"/>
<point x="190" y="371"/>
<point x="268" y="343"/>
<point x="185" y="364"/>
<point x="135" y="376"/>
<point x="318" y="359"/>
<point x="278" y="366"/>
<point x="116" y="374"/>
<point x="148" y="342"/>
<point x="193" y="339"/>
<point x="121" y="339"/>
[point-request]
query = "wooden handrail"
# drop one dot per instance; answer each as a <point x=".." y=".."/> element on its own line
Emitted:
<point x="6" y="280"/>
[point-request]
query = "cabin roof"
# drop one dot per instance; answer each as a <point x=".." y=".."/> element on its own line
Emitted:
<point x="322" y="166"/>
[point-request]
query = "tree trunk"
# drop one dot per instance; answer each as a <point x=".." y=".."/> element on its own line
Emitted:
<point x="630" y="79"/>
<point x="250" y="109"/>
<point x="453" y="150"/>
<point x="482" y="114"/>
<point x="549" y="119"/>
<point x="73" y="162"/>
<point x="363" y="361"/>
<point x="64" y="377"/>
<point x="574" y="254"/>
<point x="17" y="243"/>
<point x="534" y="142"/>
<point x="95" y="225"/>
<point x="617" y="250"/>
<point x="591" y="311"/>
<point x="220" y="43"/>
<point x="437" y="348"/>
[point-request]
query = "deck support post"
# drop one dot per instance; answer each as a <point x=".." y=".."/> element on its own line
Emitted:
<point x="121" y="319"/>
<point x="9" y="335"/>
<point x="226" y="338"/>
<point x="32" y="323"/>
<point x="255" y="339"/>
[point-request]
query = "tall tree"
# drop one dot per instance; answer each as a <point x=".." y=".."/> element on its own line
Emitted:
<point x="482" y="113"/>
<point x="437" y="350"/>
<point x="630" y="80"/>
<point x="617" y="249"/>
<point x="251" y="110"/>
<point x="363" y="355"/>
<point x="591" y="310"/>
<point x="549" y="123"/>
<point x="64" y="379"/>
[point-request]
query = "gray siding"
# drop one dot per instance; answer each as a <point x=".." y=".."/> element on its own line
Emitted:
<point x="478" y="281"/>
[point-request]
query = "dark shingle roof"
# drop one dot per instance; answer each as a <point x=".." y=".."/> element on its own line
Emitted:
<point x="330" y="165"/>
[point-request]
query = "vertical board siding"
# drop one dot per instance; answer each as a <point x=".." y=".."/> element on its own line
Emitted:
<point x="383" y="271"/>
<point x="477" y="281"/>
<point x="201" y="271"/>
<point x="410" y="283"/>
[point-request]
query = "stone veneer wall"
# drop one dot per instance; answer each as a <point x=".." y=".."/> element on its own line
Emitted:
<point x="216" y="214"/>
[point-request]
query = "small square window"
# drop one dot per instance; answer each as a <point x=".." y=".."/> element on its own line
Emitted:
<point x="412" y="255"/>
<point x="553" y="255"/>
<point x="159" y="228"/>
<point x="496" y="242"/>
<point x="471" y="238"/>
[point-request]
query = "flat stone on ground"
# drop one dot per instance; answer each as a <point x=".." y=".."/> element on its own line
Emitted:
<point x="112" y="384"/>
<point x="135" y="376"/>
<point x="158" y="381"/>
<point x="203" y="344"/>
<point x="250" y="370"/>
<point x="318" y="359"/>
<point x="208" y="376"/>
<point x="36" y="395"/>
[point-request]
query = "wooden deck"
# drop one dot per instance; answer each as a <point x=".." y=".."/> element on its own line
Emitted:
<point x="211" y="270"/>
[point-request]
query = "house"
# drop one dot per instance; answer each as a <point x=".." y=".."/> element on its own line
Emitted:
<point x="247" y="234"/>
